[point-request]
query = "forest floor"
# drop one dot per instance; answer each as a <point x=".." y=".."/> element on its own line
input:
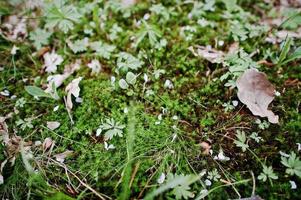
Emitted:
<point x="150" y="99"/>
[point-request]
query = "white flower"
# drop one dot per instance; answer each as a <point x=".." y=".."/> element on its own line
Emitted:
<point x="161" y="179"/>
<point x="52" y="60"/>
<point x="146" y="16"/>
<point x="56" y="108"/>
<point x="108" y="146"/>
<point x="299" y="146"/>
<point x="14" y="50"/>
<point x="221" y="156"/>
<point x="293" y="185"/>
<point x="208" y="182"/>
<point x="168" y="84"/>
<point x="221" y="43"/>
<point x="95" y="66"/>
<point x="145" y="77"/>
<point x="5" y="93"/>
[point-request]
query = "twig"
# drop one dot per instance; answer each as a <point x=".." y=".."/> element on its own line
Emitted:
<point x="101" y="196"/>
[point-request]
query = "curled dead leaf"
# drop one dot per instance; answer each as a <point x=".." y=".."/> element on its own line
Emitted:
<point x="48" y="142"/>
<point x="208" y="53"/>
<point x="206" y="147"/>
<point x="53" y="125"/>
<point x="256" y="92"/>
<point x="62" y="156"/>
<point x="72" y="89"/>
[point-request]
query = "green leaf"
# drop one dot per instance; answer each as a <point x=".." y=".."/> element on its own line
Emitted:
<point x="172" y="183"/>
<point x="182" y="192"/>
<point x="131" y="78"/>
<point x="36" y="91"/>
<point x="285" y="49"/>
<point x="123" y="84"/>
<point x="294" y="56"/>
<point x="39" y="37"/>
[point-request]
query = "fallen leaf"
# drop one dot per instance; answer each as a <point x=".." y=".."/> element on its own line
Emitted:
<point x="47" y="143"/>
<point x="58" y="79"/>
<point x="72" y="89"/>
<point x="51" y="61"/>
<point x="206" y="146"/>
<point x="128" y="3"/>
<point x="62" y="156"/>
<point x="95" y="66"/>
<point x="53" y="125"/>
<point x="14" y="28"/>
<point x="208" y="53"/>
<point x="256" y="92"/>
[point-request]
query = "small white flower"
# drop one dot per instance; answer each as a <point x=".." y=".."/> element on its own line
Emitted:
<point x="299" y="146"/>
<point x="161" y="179"/>
<point x="56" y="108"/>
<point x="284" y="154"/>
<point x="168" y="84"/>
<point x="51" y="61"/>
<point x="175" y="117"/>
<point x="234" y="103"/>
<point x="221" y="156"/>
<point x="208" y="182"/>
<point x="108" y="146"/>
<point x="125" y="110"/>
<point x="95" y="66"/>
<point x="14" y="50"/>
<point x="277" y="93"/>
<point x="145" y="77"/>
<point x="146" y="16"/>
<point x="221" y="43"/>
<point x="5" y="93"/>
<point x="293" y="185"/>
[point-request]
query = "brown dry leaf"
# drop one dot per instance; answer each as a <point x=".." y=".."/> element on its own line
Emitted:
<point x="14" y="28"/>
<point x="53" y="125"/>
<point x="206" y="146"/>
<point x="72" y="89"/>
<point x="256" y="92"/>
<point x="47" y="143"/>
<point x="208" y="53"/>
<point x="62" y="156"/>
<point x="128" y="3"/>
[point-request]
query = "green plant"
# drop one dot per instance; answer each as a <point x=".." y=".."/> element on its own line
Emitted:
<point x="267" y="174"/>
<point x="293" y="164"/>
<point x="242" y="140"/>
<point x="111" y="128"/>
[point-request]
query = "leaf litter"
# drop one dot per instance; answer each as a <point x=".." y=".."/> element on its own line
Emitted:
<point x="256" y="92"/>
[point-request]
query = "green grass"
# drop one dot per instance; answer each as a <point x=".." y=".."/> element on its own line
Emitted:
<point x="164" y="130"/>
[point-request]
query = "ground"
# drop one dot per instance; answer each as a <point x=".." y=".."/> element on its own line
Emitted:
<point x="138" y="99"/>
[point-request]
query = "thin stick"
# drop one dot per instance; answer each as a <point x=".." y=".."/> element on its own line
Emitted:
<point x="101" y="196"/>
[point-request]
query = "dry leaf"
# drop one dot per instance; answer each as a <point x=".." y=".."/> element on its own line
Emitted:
<point x="206" y="146"/>
<point x="14" y="28"/>
<point x="128" y="3"/>
<point x="255" y="91"/>
<point x="51" y="61"/>
<point x="62" y="156"/>
<point x="72" y="89"/>
<point x="208" y="53"/>
<point x="95" y="66"/>
<point x="53" y="125"/>
<point x="47" y="143"/>
<point x="58" y="79"/>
